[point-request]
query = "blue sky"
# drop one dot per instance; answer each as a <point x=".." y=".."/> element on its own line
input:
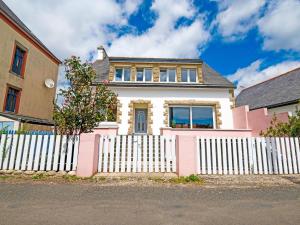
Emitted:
<point x="246" y="41"/>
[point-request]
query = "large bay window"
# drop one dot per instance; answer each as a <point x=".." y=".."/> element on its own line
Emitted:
<point x="191" y="117"/>
<point x="122" y="74"/>
<point x="144" y="75"/>
<point x="189" y="75"/>
<point x="167" y="75"/>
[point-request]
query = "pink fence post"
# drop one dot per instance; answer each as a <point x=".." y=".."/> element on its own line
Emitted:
<point x="186" y="153"/>
<point x="88" y="155"/>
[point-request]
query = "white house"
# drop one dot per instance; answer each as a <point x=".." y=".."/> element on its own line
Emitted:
<point x="163" y="93"/>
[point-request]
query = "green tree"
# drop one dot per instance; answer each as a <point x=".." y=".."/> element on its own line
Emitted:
<point x="281" y="129"/>
<point x="85" y="103"/>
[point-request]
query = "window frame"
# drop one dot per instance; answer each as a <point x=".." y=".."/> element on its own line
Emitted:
<point x="17" y="104"/>
<point x="168" y="75"/>
<point x="144" y="74"/>
<point x="123" y="74"/>
<point x="23" y="66"/>
<point x="188" y="75"/>
<point x="191" y="115"/>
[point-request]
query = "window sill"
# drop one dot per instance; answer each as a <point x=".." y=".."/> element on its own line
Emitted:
<point x="15" y="74"/>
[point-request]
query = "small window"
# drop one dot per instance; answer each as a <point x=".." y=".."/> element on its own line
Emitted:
<point x="188" y="75"/>
<point x="191" y="117"/>
<point x="144" y="75"/>
<point x="12" y="98"/>
<point x="6" y="125"/>
<point x="122" y="74"/>
<point x="18" y="61"/>
<point x="167" y="75"/>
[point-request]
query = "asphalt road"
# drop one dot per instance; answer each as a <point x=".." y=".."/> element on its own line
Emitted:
<point x="82" y="204"/>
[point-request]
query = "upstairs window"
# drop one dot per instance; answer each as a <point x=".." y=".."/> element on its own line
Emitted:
<point x="12" y="100"/>
<point x="18" y="63"/>
<point x="144" y="75"/>
<point x="167" y="75"/>
<point x="122" y="74"/>
<point x="191" y="117"/>
<point x="189" y="75"/>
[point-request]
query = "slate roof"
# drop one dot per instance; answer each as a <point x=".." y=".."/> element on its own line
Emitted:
<point x="211" y="78"/>
<point x="281" y="90"/>
<point x="13" y="17"/>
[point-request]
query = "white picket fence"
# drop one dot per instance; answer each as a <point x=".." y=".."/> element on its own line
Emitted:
<point x="38" y="152"/>
<point x="248" y="155"/>
<point x="137" y="153"/>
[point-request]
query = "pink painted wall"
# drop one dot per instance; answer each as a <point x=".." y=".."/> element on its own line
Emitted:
<point x="105" y="131"/>
<point x="207" y="132"/>
<point x="257" y="120"/>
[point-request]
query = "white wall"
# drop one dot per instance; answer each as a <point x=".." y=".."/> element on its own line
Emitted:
<point x="158" y="95"/>
<point x="287" y="108"/>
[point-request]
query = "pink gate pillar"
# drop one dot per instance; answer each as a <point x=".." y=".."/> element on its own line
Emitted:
<point x="186" y="153"/>
<point x="88" y="155"/>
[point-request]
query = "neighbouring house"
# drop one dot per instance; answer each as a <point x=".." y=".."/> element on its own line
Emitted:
<point x="28" y="74"/>
<point x="160" y="94"/>
<point x="279" y="94"/>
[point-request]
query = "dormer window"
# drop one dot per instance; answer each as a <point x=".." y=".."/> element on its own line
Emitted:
<point x="144" y="75"/>
<point x="122" y="74"/>
<point x="189" y="75"/>
<point x="167" y="75"/>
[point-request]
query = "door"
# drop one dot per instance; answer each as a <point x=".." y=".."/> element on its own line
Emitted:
<point x="141" y="121"/>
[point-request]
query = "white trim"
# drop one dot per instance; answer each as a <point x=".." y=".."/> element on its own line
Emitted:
<point x="144" y="74"/>
<point x="188" y="75"/>
<point x="168" y="80"/>
<point x="123" y="74"/>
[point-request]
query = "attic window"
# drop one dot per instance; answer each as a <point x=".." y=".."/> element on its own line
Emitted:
<point x="122" y="74"/>
<point x="167" y="75"/>
<point x="144" y="75"/>
<point x="189" y="75"/>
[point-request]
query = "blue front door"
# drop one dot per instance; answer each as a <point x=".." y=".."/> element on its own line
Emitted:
<point x="141" y="121"/>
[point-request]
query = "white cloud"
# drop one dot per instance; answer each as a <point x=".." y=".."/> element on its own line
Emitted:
<point x="280" y="26"/>
<point x="237" y="17"/>
<point x="164" y="39"/>
<point x="253" y="73"/>
<point x="73" y="27"/>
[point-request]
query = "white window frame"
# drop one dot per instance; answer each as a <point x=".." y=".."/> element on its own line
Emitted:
<point x="123" y="74"/>
<point x="191" y="114"/>
<point x="168" y="80"/>
<point x="144" y="75"/>
<point x="188" y="75"/>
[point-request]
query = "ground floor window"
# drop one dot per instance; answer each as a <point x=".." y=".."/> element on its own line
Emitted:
<point x="11" y="103"/>
<point x="191" y="117"/>
<point x="6" y="125"/>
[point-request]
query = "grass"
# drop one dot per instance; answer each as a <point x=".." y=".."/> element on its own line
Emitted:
<point x="39" y="176"/>
<point x="4" y="177"/>
<point x="189" y="179"/>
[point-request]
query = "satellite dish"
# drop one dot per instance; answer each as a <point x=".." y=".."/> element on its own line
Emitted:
<point x="49" y="83"/>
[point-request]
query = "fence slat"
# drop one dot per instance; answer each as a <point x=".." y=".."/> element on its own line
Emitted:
<point x="63" y="152"/>
<point x="288" y="153"/>
<point x="151" y="154"/>
<point x="293" y="154"/>
<point x="229" y="148"/>
<point x="117" y="161"/>
<point x="240" y="152"/>
<point x="259" y="155"/>
<point x="19" y="152"/>
<point x="75" y="156"/>
<point x="13" y="152"/>
<point x="297" y="152"/>
<point x="156" y="157"/>
<point x="129" y="139"/>
<point x="100" y="156"/>
<point x="50" y="153"/>
<point x="224" y="155"/>
<point x="208" y="155"/>
<point x="274" y="155"/>
<point x="31" y="152"/>
<point x="139" y="154"/>
<point x="105" y="157"/>
<point x="145" y="151"/>
<point x="123" y="160"/>
<point x="284" y="156"/>
<point x="173" y="151"/>
<point x="198" y="157"/>
<point x="219" y="154"/>
<point x="235" y="158"/>
<point x="162" y="154"/>
<point x="111" y="153"/>
<point x="44" y="152"/>
<point x="279" y="155"/>
<point x="213" y="156"/>
<point x="269" y="155"/>
<point x="135" y="146"/>
<point x="26" y="151"/>
<point x="56" y="152"/>
<point x="245" y="156"/>
<point x="2" y="148"/>
<point x="69" y="152"/>
<point x="203" y="155"/>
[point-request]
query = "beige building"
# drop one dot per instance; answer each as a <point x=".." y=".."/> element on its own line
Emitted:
<point x="28" y="75"/>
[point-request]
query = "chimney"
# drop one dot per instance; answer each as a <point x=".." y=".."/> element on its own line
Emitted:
<point x="101" y="53"/>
